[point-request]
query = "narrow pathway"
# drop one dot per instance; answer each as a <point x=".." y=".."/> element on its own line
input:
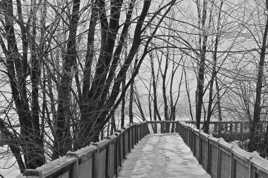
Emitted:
<point x="162" y="156"/>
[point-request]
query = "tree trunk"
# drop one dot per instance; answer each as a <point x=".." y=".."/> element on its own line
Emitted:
<point x="31" y="141"/>
<point x="257" y="106"/>
<point x="156" y="111"/>
<point x="131" y="96"/>
<point x="63" y="141"/>
<point x="101" y="93"/>
<point x="123" y="102"/>
<point x="214" y="73"/>
<point x="188" y="94"/>
<point x="201" y="68"/>
<point x="35" y="79"/>
<point x="218" y="100"/>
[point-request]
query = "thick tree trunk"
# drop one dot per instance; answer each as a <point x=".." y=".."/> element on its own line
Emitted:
<point x="113" y="125"/>
<point x="63" y="142"/>
<point x="123" y="103"/>
<point x="31" y="143"/>
<point x="214" y="73"/>
<point x="96" y="117"/>
<point x="201" y="67"/>
<point x="131" y="96"/>
<point x="35" y="79"/>
<point x="156" y="114"/>
<point x="164" y="76"/>
<point x="257" y="106"/>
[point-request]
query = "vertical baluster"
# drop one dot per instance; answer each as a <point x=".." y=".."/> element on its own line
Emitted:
<point x="236" y="128"/>
<point x="241" y="130"/>
<point x="214" y="128"/>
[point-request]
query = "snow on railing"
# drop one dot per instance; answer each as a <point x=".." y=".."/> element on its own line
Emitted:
<point x="99" y="160"/>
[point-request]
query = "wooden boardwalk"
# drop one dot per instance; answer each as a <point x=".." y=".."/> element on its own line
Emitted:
<point x="161" y="156"/>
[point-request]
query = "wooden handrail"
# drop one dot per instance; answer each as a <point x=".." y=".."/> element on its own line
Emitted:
<point x="103" y="160"/>
<point x="232" y="130"/>
<point x="223" y="160"/>
<point x="98" y="160"/>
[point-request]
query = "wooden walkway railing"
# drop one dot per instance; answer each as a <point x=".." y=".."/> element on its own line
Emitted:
<point x="233" y="130"/>
<point x="222" y="159"/>
<point x="104" y="159"/>
<point x="99" y="160"/>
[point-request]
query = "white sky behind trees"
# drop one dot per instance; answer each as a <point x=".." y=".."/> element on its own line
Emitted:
<point x="242" y="24"/>
<point x="237" y="15"/>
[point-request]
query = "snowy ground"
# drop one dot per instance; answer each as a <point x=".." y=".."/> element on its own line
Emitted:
<point x="162" y="156"/>
<point x="8" y="166"/>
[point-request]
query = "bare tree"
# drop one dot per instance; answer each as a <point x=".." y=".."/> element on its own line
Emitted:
<point x="259" y="84"/>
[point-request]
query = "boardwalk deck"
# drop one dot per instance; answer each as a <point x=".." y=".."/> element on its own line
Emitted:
<point x="162" y="156"/>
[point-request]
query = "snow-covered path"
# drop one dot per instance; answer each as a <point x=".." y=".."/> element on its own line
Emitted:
<point x="162" y="156"/>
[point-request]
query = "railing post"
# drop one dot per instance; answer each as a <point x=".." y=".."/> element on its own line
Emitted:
<point x="188" y="130"/>
<point x="236" y="128"/>
<point x="131" y="141"/>
<point x="177" y="127"/>
<point x="116" y="158"/>
<point x="241" y="130"/>
<point x="214" y="128"/>
<point x="219" y="129"/>
<point x="162" y="127"/>
<point x="233" y="167"/>
<point x="209" y="155"/>
<point x="133" y="136"/>
<point x="107" y="160"/>
<point x="225" y="127"/>
<point x="136" y="134"/>
<point x="96" y="173"/>
<point x="124" y="143"/>
<point x="139" y="133"/>
<point x="128" y="139"/>
<point x="200" y="148"/>
<point x="219" y="160"/>
<point x="194" y="143"/>
<point x="142" y="129"/>
<point x="122" y="147"/>
<point x="75" y="171"/>
<point x="190" y="139"/>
